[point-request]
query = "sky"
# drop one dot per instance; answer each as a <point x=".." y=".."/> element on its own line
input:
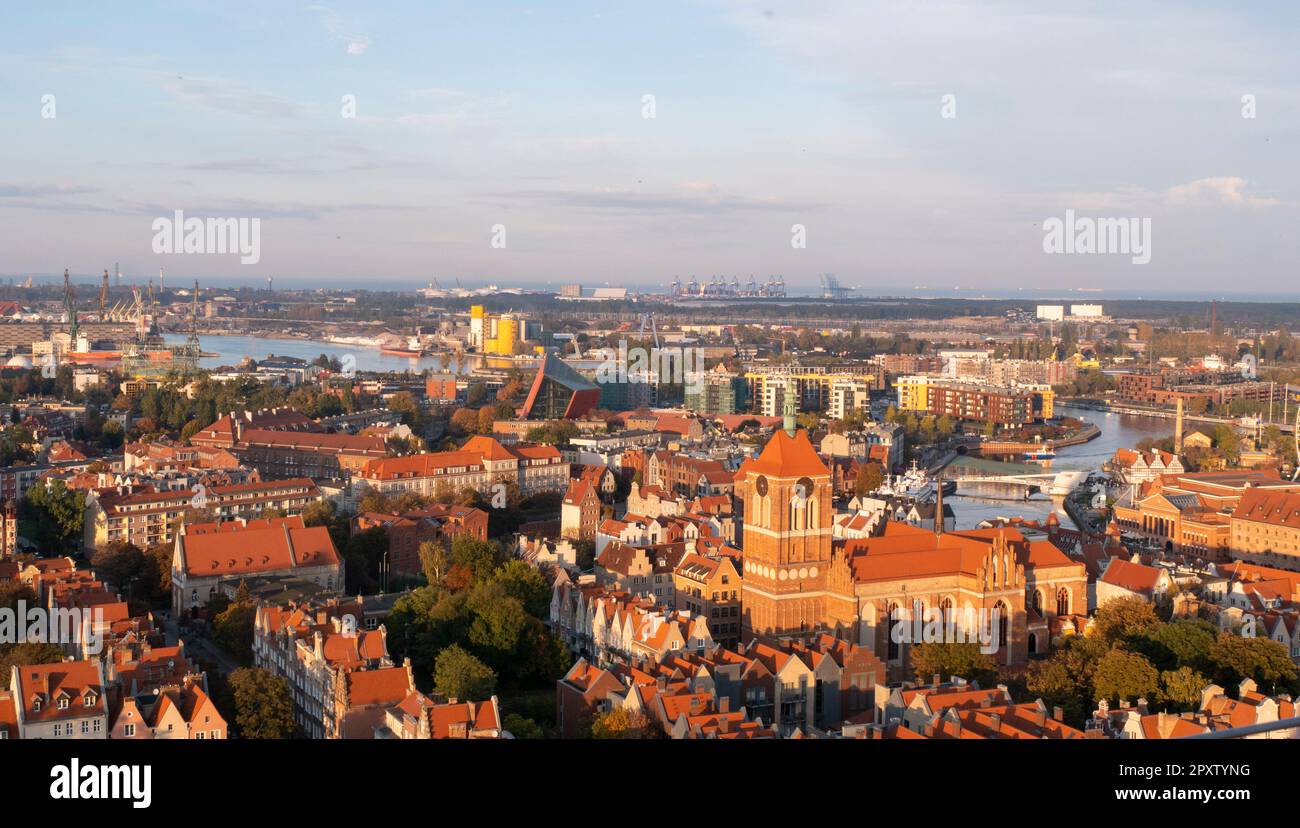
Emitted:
<point x="907" y="144"/>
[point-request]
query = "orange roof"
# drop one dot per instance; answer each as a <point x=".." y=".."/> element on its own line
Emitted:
<point x="1131" y="576"/>
<point x="387" y="685"/>
<point x="1272" y="506"/>
<point x="42" y="686"/>
<point x="786" y="456"/>
<point x="232" y="548"/>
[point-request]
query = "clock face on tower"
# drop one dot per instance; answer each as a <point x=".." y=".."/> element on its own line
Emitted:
<point x="760" y="485"/>
<point x="803" y="488"/>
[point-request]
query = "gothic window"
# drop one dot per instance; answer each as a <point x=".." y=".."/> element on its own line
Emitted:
<point x="1003" y="618"/>
<point x="1063" y="601"/>
<point x="894" y="621"/>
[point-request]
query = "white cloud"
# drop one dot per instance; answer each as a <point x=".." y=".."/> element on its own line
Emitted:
<point x="342" y="29"/>
<point x="1229" y="191"/>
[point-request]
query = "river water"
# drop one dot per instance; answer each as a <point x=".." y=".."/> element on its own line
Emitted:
<point x="1117" y="431"/>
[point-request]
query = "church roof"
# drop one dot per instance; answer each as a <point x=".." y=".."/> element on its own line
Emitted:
<point x="786" y="456"/>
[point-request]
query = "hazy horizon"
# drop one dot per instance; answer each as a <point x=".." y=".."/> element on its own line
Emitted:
<point x="765" y="116"/>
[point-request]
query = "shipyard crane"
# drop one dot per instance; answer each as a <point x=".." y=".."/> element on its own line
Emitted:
<point x="831" y="288"/>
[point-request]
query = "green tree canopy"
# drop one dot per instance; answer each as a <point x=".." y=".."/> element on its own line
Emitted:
<point x="458" y="674"/>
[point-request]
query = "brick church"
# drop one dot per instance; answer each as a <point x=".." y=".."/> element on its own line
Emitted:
<point x="797" y="581"/>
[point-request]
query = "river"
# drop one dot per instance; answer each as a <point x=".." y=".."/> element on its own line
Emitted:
<point x="1117" y="431"/>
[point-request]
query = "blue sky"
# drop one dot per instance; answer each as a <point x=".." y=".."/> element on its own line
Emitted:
<point x="767" y="115"/>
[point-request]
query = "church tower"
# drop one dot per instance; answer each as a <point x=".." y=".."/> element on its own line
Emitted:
<point x="787" y="537"/>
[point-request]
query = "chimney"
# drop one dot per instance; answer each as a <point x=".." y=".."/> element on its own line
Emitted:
<point x="938" y="505"/>
<point x="996" y="718"/>
<point x="724" y="704"/>
<point x="1178" y="429"/>
<point x="1058" y="713"/>
<point x="935" y="679"/>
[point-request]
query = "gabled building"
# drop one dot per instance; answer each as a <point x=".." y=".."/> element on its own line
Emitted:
<point x="1128" y="579"/>
<point x="209" y="556"/>
<point x="419" y="717"/>
<point x="68" y="700"/>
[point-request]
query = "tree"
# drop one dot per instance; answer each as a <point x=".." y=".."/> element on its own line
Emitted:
<point x="947" y="659"/>
<point x="1122" y="675"/>
<point x="403" y="404"/>
<point x="318" y="513"/>
<point x="464" y="421"/>
<point x="1124" y="618"/>
<point x="523" y="582"/>
<point x="434" y="561"/>
<point x="21" y="655"/>
<point x="263" y="704"/>
<point x="119" y="563"/>
<point x="620" y="724"/>
<point x="11" y="592"/>
<point x="1052" y="681"/>
<point x="1236" y="657"/>
<point x="232" y="629"/>
<point x="457" y="674"/>
<point x="59" y="513"/>
<point x="1182" y="688"/>
<point x="1179" y="643"/>
<point x="499" y="621"/>
<point x="869" y="478"/>
<point x="520" y="727"/>
<point x="16" y="445"/>
<point x="477" y="556"/>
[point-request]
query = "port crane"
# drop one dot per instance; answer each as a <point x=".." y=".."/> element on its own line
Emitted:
<point x="832" y="289"/>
